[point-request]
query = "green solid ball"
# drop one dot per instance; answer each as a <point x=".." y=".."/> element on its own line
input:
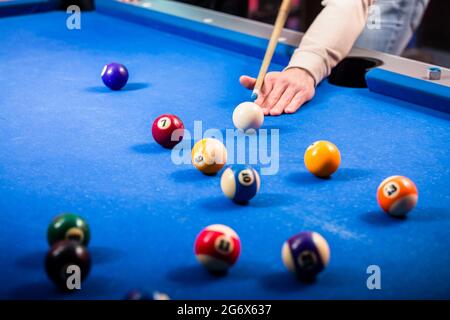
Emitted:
<point x="68" y="226"/>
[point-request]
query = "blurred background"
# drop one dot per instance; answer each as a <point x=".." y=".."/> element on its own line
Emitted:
<point x="431" y="42"/>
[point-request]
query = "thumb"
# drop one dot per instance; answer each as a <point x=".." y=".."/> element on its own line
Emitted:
<point x="247" y="82"/>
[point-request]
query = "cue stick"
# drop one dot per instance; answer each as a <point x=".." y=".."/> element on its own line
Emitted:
<point x="278" y="28"/>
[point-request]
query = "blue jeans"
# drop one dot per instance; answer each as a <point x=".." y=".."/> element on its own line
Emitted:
<point x="397" y="21"/>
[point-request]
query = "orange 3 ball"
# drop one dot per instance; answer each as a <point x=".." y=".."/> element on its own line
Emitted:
<point x="322" y="158"/>
<point x="397" y="195"/>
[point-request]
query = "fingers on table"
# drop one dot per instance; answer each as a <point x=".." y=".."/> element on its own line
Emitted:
<point x="297" y="101"/>
<point x="247" y="82"/>
<point x="264" y="93"/>
<point x="277" y="95"/>
<point x="283" y="101"/>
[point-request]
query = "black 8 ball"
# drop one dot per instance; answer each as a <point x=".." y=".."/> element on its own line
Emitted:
<point x="62" y="255"/>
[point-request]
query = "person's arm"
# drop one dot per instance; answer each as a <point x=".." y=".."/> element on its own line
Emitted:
<point x="328" y="40"/>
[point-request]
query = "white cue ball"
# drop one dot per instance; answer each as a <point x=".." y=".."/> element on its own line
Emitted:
<point x="248" y="115"/>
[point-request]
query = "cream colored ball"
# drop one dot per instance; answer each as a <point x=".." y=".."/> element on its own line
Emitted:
<point x="248" y="115"/>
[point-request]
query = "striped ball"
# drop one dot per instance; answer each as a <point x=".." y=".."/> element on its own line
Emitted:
<point x="240" y="183"/>
<point x="306" y="254"/>
<point x="397" y="195"/>
<point x="217" y="248"/>
<point x="209" y="156"/>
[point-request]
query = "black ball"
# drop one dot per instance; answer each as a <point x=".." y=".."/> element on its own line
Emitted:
<point x="62" y="255"/>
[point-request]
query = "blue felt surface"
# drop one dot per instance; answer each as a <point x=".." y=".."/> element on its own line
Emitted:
<point x="425" y="93"/>
<point x="69" y="144"/>
<point x="238" y="42"/>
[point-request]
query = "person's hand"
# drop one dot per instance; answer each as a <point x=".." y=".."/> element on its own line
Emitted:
<point x="283" y="91"/>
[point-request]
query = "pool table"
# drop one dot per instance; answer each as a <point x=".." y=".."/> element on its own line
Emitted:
<point x="69" y="144"/>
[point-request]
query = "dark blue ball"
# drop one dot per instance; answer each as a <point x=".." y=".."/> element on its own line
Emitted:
<point x="240" y="183"/>
<point x="115" y="76"/>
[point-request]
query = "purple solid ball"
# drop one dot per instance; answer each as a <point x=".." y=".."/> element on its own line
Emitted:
<point x="115" y="76"/>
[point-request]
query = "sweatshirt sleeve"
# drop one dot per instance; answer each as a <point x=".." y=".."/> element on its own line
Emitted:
<point x="331" y="36"/>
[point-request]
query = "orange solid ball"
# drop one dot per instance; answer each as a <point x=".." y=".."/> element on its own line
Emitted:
<point x="397" y="195"/>
<point x="322" y="158"/>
